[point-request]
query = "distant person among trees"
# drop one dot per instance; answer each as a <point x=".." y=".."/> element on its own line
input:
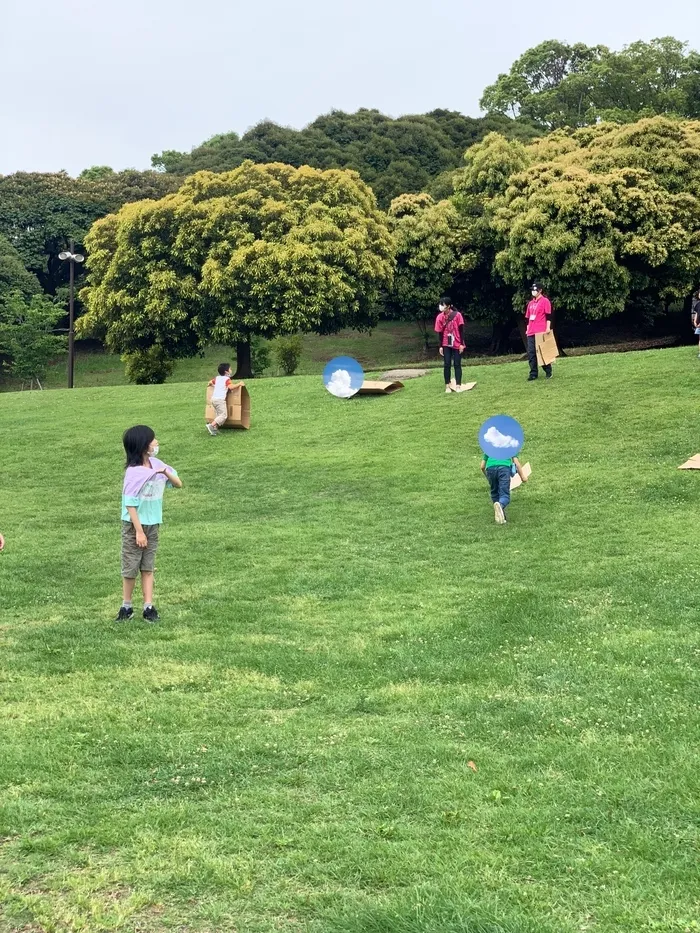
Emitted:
<point x="695" y="315"/>
<point x="538" y="315"/>
<point x="449" y="324"/>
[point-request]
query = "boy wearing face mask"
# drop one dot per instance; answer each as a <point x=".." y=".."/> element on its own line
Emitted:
<point x="145" y="480"/>
<point x="450" y="325"/>
<point x="537" y="313"/>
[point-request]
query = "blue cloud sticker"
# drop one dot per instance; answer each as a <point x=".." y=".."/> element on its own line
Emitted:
<point x="343" y="377"/>
<point x="501" y="436"/>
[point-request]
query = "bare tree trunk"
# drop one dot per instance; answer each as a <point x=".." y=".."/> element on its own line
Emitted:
<point x="244" y="369"/>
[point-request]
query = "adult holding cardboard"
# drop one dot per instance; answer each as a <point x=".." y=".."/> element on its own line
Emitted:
<point x="449" y="324"/>
<point x="538" y="314"/>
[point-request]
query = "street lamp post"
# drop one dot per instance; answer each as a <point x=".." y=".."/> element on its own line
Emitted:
<point x="72" y="257"/>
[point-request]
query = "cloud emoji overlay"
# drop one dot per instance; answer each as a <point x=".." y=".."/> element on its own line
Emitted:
<point x="494" y="436"/>
<point x="340" y="384"/>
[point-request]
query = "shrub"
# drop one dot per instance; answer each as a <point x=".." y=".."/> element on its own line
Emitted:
<point x="259" y="355"/>
<point x="288" y="353"/>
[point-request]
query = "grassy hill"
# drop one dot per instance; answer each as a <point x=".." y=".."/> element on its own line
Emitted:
<point x="344" y="630"/>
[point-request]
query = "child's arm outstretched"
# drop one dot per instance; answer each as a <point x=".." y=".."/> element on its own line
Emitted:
<point x="483" y="467"/>
<point x="172" y="478"/>
<point x="519" y="469"/>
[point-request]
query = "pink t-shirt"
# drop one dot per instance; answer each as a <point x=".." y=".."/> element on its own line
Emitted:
<point x="452" y="328"/>
<point x="538" y="310"/>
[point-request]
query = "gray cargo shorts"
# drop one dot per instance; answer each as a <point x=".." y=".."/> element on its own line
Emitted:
<point x="135" y="558"/>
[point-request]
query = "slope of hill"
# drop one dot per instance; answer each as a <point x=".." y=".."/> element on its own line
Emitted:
<point x="367" y="707"/>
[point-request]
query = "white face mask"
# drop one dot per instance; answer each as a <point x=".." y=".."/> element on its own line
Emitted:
<point x="535" y="293"/>
<point x="442" y="307"/>
<point x="153" y="451"/>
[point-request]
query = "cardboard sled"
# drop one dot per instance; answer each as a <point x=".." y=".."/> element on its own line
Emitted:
<point x="379" y="388"/>
<point x="468" y="386"/>
<point x="692" y="464"/>
<point x="237" y="407"/>
<point x="547" y="350"/>
<point x="515" y="481"/>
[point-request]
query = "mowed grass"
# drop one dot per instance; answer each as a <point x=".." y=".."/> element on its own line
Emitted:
<point x="390" y="344"/>
<point x="344" y="629"/>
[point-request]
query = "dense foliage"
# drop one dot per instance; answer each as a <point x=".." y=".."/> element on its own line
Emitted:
<point x="262" y="250"/>
<point x="40" y="212"/>
<point x="606" y="218"/>
<point x="393" y="156"/>
<point x="557" y="85"/>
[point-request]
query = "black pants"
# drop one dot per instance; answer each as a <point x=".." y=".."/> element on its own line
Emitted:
<point x="532" y="359"/>
<point x="451" y="355"/>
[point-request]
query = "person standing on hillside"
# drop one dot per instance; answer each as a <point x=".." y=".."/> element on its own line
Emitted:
<point x="538" y="315"/>
<point x="449" y="324"/>
<point x="695" y="316"/>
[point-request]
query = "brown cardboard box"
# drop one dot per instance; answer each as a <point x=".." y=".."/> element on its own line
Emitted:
<point x="547" y="350"/>
<point x="379" y="388"/>
<point x="237" y="407"/>
<point x="515" y="481"/>
<point x="692" y="464"/>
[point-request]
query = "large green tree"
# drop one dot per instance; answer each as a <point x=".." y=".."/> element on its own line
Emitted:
<point x="427" y="237"/>
<point x="264" y="249"/>
<point x="14" y="277"/>
<point x="608" y="221"/>
<point x="394" y="156"/>
<point x="40" y="212"/>
<point x="559" y="85"/>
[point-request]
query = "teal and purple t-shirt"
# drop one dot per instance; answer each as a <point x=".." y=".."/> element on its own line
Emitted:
<point x="143" y="490"/>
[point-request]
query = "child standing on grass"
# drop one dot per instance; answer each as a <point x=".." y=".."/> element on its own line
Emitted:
<point x="145" y="480"/>
<point x="222" y="383"/>
<point x="498" y="472"/>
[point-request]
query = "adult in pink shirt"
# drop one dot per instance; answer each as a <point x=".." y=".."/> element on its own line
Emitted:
<point x="538" y="315"/>
<point x="449" y="324"/>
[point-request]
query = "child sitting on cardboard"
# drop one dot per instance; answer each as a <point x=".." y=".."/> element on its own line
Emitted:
<point x="498" y="471"/>
<point x="222" y="383"/>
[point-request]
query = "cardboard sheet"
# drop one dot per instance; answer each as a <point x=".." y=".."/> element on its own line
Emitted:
<point x="515" y="481"/>
<point x="237" y="407"/>
<point x="379" y="388"/>
<point x="692" y="464"/>
<point x="547" y="350"/>
<point x="468" y="386"/>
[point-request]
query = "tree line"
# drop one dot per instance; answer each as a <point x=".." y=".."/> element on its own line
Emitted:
<point x="583" y="173"/>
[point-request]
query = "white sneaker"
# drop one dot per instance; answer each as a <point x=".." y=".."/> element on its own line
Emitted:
<point x="212" y="430"/>
<point x="498" y="513"/>
<point x="449" y="389"/>
<point x="461" y="389"/>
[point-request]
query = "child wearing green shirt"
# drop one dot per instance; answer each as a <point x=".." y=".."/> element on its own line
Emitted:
<point x="498" y="471"/>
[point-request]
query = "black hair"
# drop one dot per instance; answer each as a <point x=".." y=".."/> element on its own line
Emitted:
<point x="223" y="367"/>
<point x="446" y="300"/>
<point x="137" y="440"/>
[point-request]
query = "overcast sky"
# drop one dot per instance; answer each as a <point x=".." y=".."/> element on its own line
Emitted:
<point x="100" y="82"/>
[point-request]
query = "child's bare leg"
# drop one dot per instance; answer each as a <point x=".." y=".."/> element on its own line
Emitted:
<point x="147" y="586"/>
<point x="128" y="584"/>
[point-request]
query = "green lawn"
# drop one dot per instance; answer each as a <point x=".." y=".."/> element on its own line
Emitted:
<point x="389" y="345"/>
<point x="344" y="630"/>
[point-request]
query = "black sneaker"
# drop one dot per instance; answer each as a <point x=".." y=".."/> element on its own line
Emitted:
<point x="531" y="378"/>
<point x="151" y="614"/>
<point x="124" y="614"/>
<point x="547" y="375"/>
